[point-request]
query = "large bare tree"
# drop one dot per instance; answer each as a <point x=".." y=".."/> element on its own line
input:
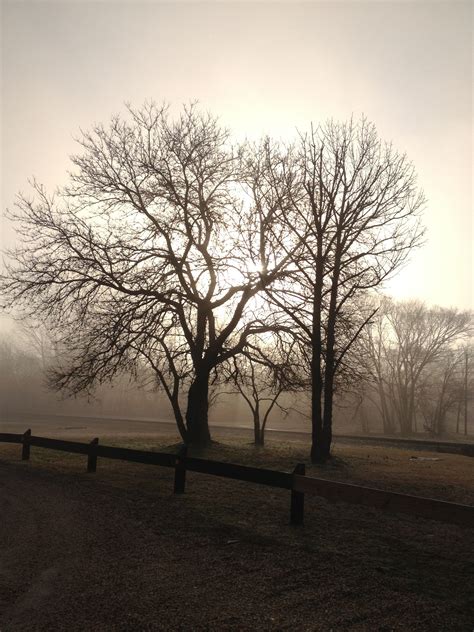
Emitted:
<point x="352" y="204"/>
<point x="152" y="253"/>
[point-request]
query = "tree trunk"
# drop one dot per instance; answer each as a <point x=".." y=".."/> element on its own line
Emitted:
<point x="258" y="431"/>
<point x="327" y="418"/>
<point x="179" y="420"/>
<point x="440" y="411"/>
<point x="317" y="452"/>
<point x="405" y="405"/>
<point x="388" y="427"/>
<point x="329" y="369"/>
<point x="412" y="410"/>
<point x="364" y="422"/>
<point x="328" y="390"/>
<point x="466" y="357"/>
<point x="458" y="416"/>
<point x="197" y="411"/>
<point x="317" y="440"/>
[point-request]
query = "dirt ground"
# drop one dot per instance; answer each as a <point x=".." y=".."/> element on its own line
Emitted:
<point x="116" y="550"/>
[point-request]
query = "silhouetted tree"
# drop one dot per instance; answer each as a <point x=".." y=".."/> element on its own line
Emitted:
<point x="352" y="204"/>
<point x="261" y="374"/>
<point x="152" y="253"/>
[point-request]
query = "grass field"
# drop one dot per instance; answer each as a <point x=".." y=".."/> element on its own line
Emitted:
<point x="229" y="559"/>
<point x="443" y="476"/>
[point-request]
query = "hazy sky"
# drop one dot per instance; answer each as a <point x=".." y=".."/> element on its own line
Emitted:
<point x="263" y="67"/>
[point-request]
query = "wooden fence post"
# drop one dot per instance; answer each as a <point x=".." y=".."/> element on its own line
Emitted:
<point x="25" y="452"/>
<point x="180" y="471"/>
<point x="297" y="499"/>
<point x="92" y="455"/>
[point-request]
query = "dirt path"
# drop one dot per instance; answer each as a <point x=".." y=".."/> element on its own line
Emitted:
<point x="79" y="553"/>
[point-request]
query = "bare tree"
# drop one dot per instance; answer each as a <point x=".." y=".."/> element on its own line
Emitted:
<point x="410" y="347"/>
<point x="266" y="370"/>
<point x="438" y="391"/>
<point x="152" y="253"/>
<point x="36" y="337"/>
<point x="464" y="388"/>
<point x="376" y="356"/>
<point x="352" y="204"/>
<point x="467" y="391"/>
<point x="20" y="378"/>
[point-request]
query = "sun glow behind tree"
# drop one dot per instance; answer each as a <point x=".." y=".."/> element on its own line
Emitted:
<point x="150" y="254"/>
<point x="176" y="247"/>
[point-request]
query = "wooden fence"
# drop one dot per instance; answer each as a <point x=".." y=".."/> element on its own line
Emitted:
<point x="296" y="482"/>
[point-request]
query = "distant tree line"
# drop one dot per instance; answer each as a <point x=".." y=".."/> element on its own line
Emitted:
<point x="419" y="366"/>
<point x="214" y="263"/>
<point x="26" y="356"/>
<point x="408" y="353"/>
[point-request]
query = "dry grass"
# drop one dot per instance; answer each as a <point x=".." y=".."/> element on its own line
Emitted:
<point x="443" y="476"/>
<point x="238" y="565"/>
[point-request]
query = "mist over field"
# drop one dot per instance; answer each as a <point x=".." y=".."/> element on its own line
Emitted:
<point x="444" y="393"/>
<point x="236" y="316"/>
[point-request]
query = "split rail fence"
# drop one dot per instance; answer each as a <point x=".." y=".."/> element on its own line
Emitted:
<point x="296" y="482"/>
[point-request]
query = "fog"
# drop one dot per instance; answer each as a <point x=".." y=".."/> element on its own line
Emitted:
<point x="25" y="394"/>
<point x="236" y="315"/>
<point x="263" y="68"/>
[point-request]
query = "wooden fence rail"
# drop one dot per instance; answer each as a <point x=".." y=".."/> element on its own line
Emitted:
<point x="297" y="481"/>
<point x="58" y="444"/>
<point x="10" y="437"/>
<point x="137" y="456"/>
<point x="387" y="501"/>
<point x="240" y="472"/>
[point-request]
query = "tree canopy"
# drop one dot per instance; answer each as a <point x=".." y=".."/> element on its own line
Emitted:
<point x="175" y="247"/>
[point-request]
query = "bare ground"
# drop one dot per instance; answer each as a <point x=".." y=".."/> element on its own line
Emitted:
<point x="118" y="551"/>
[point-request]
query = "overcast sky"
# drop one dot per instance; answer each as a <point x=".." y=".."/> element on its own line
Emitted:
<point x="263" y="68"/>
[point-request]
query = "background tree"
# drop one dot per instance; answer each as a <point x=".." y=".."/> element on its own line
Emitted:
<point x="266" y="370"/>
<point x="438" y="392"/>
<point x="151" y="254"/>
<point x="36" y="338"/>
<point x="412" y="351"/>
<point x="466" y="388"/>
<point x="376" y="356"/>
